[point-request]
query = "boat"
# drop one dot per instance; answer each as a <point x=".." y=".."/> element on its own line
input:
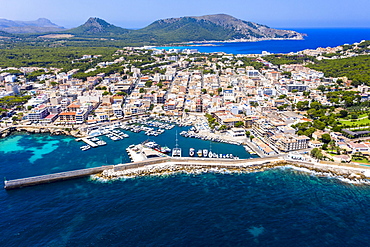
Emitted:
<point x="86" y="147"/>
<point x="200" y="152"/>
<point x="165" y="150"/>
<point x="205" y="152"/>
<point x="191" y="152"/>
<point x="101" y="143"/>
<point x="210" y="154"/>
<point x="151" y="144"/>
<point x="176" y="152"/>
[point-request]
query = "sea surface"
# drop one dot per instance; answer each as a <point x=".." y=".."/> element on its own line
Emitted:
<point x="315" y="38"/>
<point x="279" y="207"/>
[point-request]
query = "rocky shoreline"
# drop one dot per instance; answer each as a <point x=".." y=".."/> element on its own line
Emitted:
<point x="346" y="174"/>
<point x="51" y="131"/>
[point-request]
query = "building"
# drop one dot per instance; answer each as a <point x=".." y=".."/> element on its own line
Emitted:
<point x="68" y="117"/>
<point x="199" y="105"/>
<point x="38" y="113"/>
<point x="237" y="132"/>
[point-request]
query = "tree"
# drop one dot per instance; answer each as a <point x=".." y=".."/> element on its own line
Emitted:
<point x="148" y="83"/>
<point x="319" y="125"/>
<point x="105" y="93"/>
<point x="219" y="90"/>
<point x="326" y="138"/>
<point x="322" y="88"/>
<point x="325" y="146"/>
<point x="247" y="133"/>
<point x="142" y="90"/>
<point x="283" y="96"/>
<point x="239" y="124"/>
<point x="204" y="91"/>
<point x="302" y="105"/>
<point x="316" y="105"/>
<point x="343" y="113"/>
<point x="306" y="93"/>
<point x="316" y="153"/>
<point x="121" y="93"/>
<point x="223" y="127"/>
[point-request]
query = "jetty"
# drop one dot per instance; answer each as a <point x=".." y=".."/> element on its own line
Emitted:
<point x="206" y="162"/>
<point x="348" y="170"/>
<point x="23" y="182"/>
<point x="88" y="142"/>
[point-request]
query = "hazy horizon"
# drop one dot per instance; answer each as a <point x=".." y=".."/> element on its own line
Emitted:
<point x="140" y="13"/>
<point x="136" y="25"/>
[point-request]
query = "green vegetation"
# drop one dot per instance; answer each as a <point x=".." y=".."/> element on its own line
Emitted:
<point x="59" y="57"/>
<point x="360" y="158"/>
<point x="356" y="123"/>
<point x="356" y="68"/>
<point x="212" y="121"/>
<point x="316" y="153"/>
<point x="289" y="59"/>
<point x="11" y="101"/>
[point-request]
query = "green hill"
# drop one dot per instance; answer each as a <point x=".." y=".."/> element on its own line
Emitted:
<point x="203" y="28"/>
<point x="95" y="27"/>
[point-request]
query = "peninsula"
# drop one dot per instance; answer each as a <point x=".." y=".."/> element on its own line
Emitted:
<point x="219" y="27"/>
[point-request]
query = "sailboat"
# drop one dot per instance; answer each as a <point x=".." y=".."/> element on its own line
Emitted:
<point x="176" y="152"/>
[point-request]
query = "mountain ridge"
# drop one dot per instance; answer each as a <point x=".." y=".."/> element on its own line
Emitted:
<point x="40" y="25"/>
<point x="218" y="27"/>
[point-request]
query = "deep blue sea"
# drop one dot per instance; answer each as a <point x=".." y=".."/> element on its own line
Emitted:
<point x="280" y="207"/>
<point x="315" y="38"/>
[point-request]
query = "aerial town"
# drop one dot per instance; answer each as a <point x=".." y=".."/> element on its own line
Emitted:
<point x="241" y="99"/>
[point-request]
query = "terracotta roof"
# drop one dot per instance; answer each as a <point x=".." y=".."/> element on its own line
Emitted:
<point x="67" y="114"/>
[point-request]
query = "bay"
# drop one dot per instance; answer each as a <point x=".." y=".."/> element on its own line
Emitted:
<point x="324" y="37"/>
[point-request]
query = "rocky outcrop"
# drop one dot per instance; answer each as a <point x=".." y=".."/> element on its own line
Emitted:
<point x="344" y="173"/>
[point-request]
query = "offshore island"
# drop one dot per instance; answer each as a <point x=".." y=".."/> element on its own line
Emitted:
<point x="305" y="109"/>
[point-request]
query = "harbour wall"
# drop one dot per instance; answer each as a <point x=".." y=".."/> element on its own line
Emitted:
<point x="55" y="177"/>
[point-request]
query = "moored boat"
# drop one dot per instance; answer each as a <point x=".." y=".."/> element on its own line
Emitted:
<point x="191" y="152"/>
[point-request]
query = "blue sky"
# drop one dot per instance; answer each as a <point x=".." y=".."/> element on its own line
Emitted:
<point x="139" y="13"/>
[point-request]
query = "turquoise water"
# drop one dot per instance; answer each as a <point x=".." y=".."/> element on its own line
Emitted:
<point x="280" y="207"/>
<point x="316" y="38"/>
<point x="27" y="155"/>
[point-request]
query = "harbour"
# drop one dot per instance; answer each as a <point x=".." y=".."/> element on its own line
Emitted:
<point x="345" y="171"/>
<point x="23" y="182"/>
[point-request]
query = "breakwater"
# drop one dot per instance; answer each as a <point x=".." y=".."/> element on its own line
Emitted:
<point x="23" y="182"/>
<point x="168" y="165"/>
<point x="55" y="177"/>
